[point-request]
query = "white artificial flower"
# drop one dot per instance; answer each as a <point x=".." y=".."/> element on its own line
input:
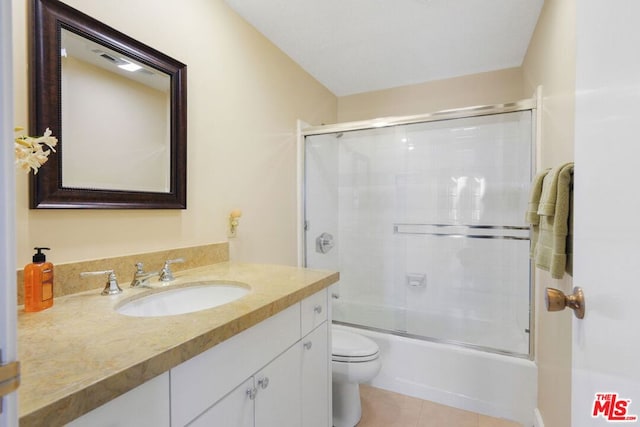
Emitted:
<point x="29" y="152"/>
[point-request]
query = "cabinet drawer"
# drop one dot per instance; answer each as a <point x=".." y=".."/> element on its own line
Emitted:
<point x="203" y="380"/>
<point x="314" y="311"/>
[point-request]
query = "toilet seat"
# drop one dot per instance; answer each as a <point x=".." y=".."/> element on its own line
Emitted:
<point x="349" y="359"/>
<point x="352" y="348"/>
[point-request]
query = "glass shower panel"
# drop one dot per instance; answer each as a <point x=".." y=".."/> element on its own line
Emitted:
<point x="321" y="200"/>
<point x="428" y="227"/>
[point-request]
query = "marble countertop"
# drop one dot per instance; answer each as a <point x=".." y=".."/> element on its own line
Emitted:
<point x="80" y="353"/>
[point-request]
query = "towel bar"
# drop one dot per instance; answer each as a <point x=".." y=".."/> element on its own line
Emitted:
<point x="471" y="231"/>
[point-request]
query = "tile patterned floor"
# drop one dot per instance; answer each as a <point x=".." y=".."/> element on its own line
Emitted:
<point x="381" y="408"/>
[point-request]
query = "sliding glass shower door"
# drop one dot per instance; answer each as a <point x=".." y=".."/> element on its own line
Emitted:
<point x="425" y="223"/>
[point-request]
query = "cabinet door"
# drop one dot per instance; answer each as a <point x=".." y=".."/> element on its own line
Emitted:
<point x="316" y="378"/>
<point x="278" y="399"/>
<point x="233" y="410"/>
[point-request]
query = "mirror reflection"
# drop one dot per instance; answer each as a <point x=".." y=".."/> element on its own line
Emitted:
<point x="123" y="141"/>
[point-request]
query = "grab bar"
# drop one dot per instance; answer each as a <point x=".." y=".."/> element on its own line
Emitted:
<point x="471" y="231"/>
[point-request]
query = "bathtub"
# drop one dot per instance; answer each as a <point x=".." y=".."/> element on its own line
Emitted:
<point x="487" y="383"/>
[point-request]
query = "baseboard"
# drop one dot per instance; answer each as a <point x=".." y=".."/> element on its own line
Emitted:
<point x="537" y="418"/>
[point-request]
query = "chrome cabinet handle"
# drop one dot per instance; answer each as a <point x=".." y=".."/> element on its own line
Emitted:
<point x="252" y="392"/>
<point x="263" y="382"/>
<point x="307" y="345"/>
<point x="317" y="308"/>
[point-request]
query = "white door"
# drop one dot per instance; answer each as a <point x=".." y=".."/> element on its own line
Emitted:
<point x="8" y="329"/>
<point x="606" y="344"/>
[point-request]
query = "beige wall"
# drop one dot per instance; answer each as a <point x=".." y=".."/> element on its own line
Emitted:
<point x="244" y="97"/>
<point x="550" y="62"/>
<point x="493" y="87"/>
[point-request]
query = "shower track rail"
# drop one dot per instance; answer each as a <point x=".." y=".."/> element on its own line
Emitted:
<point x="470" y="231"/>
<point x="447" y="341"/>
<point x="457" y="113"/>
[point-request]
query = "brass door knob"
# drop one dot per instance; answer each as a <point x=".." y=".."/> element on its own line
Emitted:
<point x="556" y="300"/>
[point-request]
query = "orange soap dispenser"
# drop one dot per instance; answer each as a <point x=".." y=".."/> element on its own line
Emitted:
<point x="38" y="283"/>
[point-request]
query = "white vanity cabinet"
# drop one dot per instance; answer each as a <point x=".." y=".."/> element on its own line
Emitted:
<point x="273" y="374"/>
<point x="276" y="373"/>
<point x="145" y="406"/>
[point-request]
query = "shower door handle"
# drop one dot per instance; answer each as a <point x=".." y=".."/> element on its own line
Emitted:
<point x="324" y="243"/>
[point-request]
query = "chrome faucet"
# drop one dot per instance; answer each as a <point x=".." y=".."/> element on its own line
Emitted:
<point x="166" y="275"/>
<point x="140" y="277"/>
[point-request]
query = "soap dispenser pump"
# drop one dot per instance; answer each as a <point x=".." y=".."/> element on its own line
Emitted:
<point x="38" y="283"/>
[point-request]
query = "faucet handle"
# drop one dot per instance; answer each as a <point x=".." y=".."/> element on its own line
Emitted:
<point x="166" y="275"/>
<point x="111" y="287"/>
<point x="139" y="268"/>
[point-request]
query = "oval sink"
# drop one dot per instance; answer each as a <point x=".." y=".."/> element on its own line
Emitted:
<point x="187" y="299"/>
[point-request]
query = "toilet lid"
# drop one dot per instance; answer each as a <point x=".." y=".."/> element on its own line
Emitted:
<point x="348" y="344"/>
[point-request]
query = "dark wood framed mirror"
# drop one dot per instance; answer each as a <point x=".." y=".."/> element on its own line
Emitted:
<point x="119" y="110"/>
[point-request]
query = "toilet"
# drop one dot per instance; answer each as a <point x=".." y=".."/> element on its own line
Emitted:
<point x="354" y="360"/>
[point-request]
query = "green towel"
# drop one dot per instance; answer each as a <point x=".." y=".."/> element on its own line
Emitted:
<point x="531" y="216"/>
<point x="552" y="253"/>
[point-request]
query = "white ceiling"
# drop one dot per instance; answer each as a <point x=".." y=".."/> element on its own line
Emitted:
<point x="354" y="46"/>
